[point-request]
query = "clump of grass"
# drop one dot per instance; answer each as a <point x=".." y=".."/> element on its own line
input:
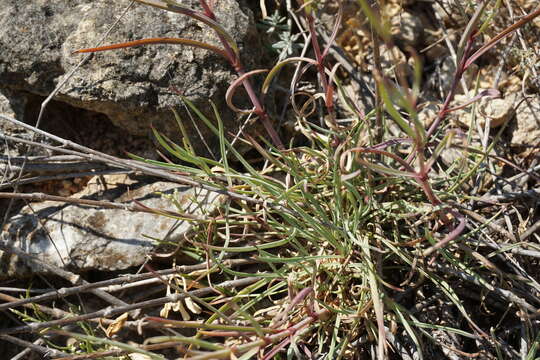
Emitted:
<point x="346" y="235"/>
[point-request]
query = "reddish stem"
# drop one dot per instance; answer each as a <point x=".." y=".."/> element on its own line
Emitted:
<point x="207" y="9"/>
<point x="460" y="68"/>
<point x="237" y="65"/>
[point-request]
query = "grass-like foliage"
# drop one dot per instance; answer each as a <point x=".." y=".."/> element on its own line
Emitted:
<point x="346" y="234"/>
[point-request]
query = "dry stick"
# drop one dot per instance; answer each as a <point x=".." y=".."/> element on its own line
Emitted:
<point x="45" y="351"/>
<point x="41" y="159"/>
<point x="163" y="273"/>
<point x="118" y="352"/>
<point x="44" y="178"/>
<point x="56" y="313"/>
<point x="489" y="224"/>
<point x="507" y="294"/>
<point x="134" y="207"/>
<point x="118" y="283"/>
<point x="61" y="314"/>
<point x="69" y="276"/>
<point x="112" y="311"/>
<point x="508" y="197"/>
<point x="153" y="170"/>
<point x="24" y="291"/>
<point x="530" y="231"/>
<point x="23" y="354"/>
<point x="56" y="167"/>
<point x="124" y="163"/>
<point x="73" y="153"/>
<point x="512" y="250"/>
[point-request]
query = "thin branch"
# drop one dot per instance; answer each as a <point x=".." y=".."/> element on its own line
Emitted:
<point x="69" y="276"/>
<point x="113" y="311"/>
<point x="133" y="207"/>
<point x="45" y="178"/>
<point x="95" y="155"/>
<point x="119" y="283"/>
<point x="45" y="351"/>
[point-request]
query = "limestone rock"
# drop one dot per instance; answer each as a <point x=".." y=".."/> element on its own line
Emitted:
<point x="498" y="111"/>
<point x="407" y="28"/>
<point x="133" y="87"/>
<point x="526" y="126"/>
<point x="14" y="104"/>
<point x="447" y="72"/>
<point x="81" y="238"/>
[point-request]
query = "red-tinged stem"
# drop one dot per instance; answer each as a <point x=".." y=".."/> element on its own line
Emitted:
<point x="238" y="67"/>
<point x="501" y="36"/>
<point x="424" y="169"/>
<point x="207" y="10"/>
<point x="277" y="348"/>
<point x="317" y="51"/>
<point x="460" y="68"/>
<point x="152" y="41"/>
<point x="320" y="60"/>
<point x="451" y="236"/>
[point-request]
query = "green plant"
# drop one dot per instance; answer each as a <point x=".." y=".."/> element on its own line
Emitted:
<point x="348" y="233"/>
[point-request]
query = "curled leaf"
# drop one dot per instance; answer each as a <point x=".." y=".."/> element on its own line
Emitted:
<point x="116" y="325"/>
<point x="491" y="93"/>
<point x="232" y="89"/>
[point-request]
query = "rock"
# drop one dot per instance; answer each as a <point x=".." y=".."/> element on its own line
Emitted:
<point x="81" y="238"/>
<point x="14" y="104"/>
<point x="498" y="111"/>
<point x="428" y="112"/>
<point x="525" y="129"/>
<point x="447" y="72"/>
<point x="435" y="49"/>
<point x="394" y="60"/>
<point x="133" y="87"/>
<point x="453" y="12"/>
<point x="407" y="28"/>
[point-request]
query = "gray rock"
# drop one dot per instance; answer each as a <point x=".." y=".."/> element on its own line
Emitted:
<point x="133" y="87"/>
<point x="445" y="77"/>
<point x="525" y="128"/>
<point x="407" y="28"/>
<point x="453" y="12"/>
<point x="14" y="104"/>
<point x="81" y="238"/>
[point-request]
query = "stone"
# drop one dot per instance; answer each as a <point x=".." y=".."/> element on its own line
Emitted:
<point x="435" y="49"/>
<point x="14" y="104"/>
<point x="446" y="73"/>
<point x="134" y="87"/>
<point x="525" y="129"/>
<point x="394" y="60"/>
<point x="453" y="12"/>
<point x="407" y="28"/>
<point x="81" y="238"/>
<point x="498" y="111"/>
<point x="428" y="112"/>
